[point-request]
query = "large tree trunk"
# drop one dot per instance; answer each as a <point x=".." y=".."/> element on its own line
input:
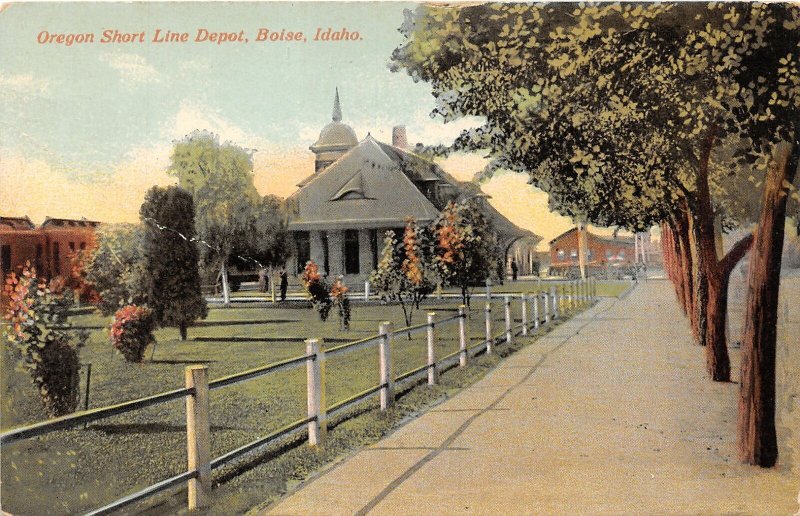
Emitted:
<point x="686" y="271"/>
<point x="717" y="360"/>
<point x="712" y="302"/>
<point x="183" y="329"/>
<point x="757" y="441"/>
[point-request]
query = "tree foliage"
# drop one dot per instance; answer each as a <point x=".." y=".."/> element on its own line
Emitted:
<point x="466" y="247"/>
<point x="406" y="271"/>
<point x="231" y="219"/>
<point x="172" y="279"/>
<point x="116" y="267"/>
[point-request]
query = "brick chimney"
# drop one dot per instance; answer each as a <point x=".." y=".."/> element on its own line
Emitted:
<point x="399" y="137"/>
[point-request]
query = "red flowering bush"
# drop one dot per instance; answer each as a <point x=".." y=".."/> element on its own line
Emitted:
<point x="42" y="340"/>
<point x="317" y="289"/>
<point x="342" y="302"/>
<point x="132" y="331"/>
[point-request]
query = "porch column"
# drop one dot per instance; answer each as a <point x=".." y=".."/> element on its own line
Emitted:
<point x="336" y="252"/>
<point x="364" y="252"/>
<point x="316" y="251"/>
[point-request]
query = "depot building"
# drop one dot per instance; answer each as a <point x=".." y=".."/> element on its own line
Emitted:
<point x="361" y="189"/>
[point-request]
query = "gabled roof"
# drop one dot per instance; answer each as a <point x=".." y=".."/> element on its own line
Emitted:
<point x="18" y="223"/>
<point x="386" y="195"/>
<point x="375" y="185"/>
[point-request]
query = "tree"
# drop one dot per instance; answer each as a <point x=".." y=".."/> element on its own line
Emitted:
<point x="466" y="247"/>
<point x="172" y="279"/>
<point x="220" y="179"/>
<point x="267" y="245"/>
<point x="405" y="272"/>
<point x="116" y="267"/>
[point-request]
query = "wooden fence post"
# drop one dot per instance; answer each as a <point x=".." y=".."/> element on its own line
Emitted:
<point x="546" y="307"/>
<point x="509" y="322"/>
<point x="488" y="317"/>
<point x="488" y="289"/>
<point x="315" y="375"/>
<point x="524" y="314"/>
<point x="462" y="336"/>
<point x="536" y="311"/>
<point x="366" y="290"/>
<point x="387" y="379"/>
<point x="554" y="294"/>
<point x="433" y="372"/>
<point x="198" y="436"/>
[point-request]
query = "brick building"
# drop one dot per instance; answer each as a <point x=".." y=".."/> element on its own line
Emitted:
<point x="49" y="247"/>
<point x="602" y="253"/>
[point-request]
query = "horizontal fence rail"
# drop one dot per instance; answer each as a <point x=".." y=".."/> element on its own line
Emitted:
<point x="537" y="309"/>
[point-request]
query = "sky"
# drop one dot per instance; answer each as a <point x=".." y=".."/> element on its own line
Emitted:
<point x="87" y="128"/>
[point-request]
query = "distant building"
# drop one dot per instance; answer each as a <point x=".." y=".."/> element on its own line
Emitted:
<point x="602" y="252"/>
<point x="49" y="247"/>
<point x="359" y="190"/>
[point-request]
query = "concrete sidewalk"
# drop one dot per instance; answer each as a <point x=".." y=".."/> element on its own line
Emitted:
<point x="611" y="413"/>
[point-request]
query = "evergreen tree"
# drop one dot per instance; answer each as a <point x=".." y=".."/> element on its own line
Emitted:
<point x="171" y="279"/>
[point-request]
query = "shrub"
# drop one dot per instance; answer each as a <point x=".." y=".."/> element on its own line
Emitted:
<point x="317" y="288"/>
<point x="132" y="331"/>
<point x="42" y="340"/>
<point x="342" y="302"/>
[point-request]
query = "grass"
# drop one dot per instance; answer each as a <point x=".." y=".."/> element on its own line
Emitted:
<point x="119" y="455"/>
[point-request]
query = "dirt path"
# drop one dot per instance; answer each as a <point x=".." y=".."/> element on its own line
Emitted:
<point x="611" y="413"/>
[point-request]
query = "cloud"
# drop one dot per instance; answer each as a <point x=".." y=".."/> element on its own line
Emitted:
<point x="23" y="85"/>
<point x="133" y="69"/>
<point x="49" y="191"/>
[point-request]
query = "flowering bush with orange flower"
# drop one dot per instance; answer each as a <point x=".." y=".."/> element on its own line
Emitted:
<point x="42" y="340"/>
<point x="467" y="251"/>
<point x="132" y="331"/>
<point x="317" y="289"/>
<point x="405" y="272"/>
<point x="339" y="297"/>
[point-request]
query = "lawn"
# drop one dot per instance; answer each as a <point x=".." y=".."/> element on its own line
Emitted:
<point x="75" y="470"/>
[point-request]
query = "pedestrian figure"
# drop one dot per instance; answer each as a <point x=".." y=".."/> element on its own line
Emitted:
<point x="284" y="283"/>
<point x="263" y="280"/>
<point x="514" y="269"/>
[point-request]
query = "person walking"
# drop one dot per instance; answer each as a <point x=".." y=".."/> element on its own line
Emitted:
<point x="284" y="283"/>
<point x="514" y="269"/>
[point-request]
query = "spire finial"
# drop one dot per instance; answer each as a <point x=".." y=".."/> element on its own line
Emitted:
<point x="337" y="109"/>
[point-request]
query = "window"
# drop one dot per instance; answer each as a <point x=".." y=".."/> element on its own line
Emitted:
<point x="560" y="254"/>
<point x="589" y="255"/>
<point x="621" y="254"/>
<point x="373" y="243"/>
<point x="39" y="255"/>
<point x="72" y="246"/>
<point x="6" y="258"/>
<point x="351" y="251"/>
<point x="608" y="254"/>
<point x="326" y="254"/>
<point x="56" y="258"/>
<point x="303" y="248"/>
<point x="573" y="253"/>
<point x="83" y="246"/>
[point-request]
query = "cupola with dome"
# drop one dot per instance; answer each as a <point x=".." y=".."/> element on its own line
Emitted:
<point x="334" y="140"/>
